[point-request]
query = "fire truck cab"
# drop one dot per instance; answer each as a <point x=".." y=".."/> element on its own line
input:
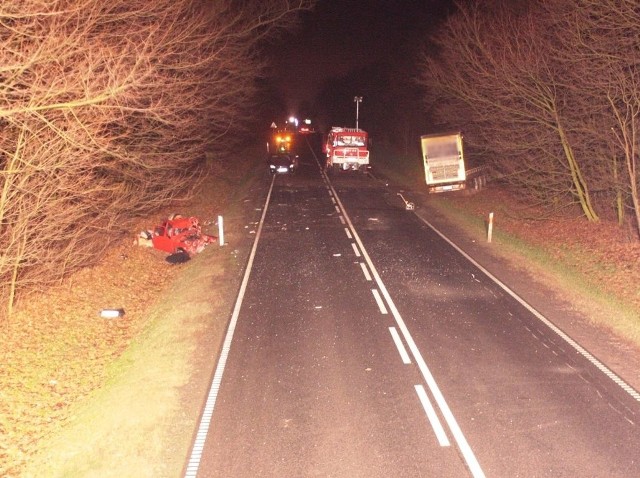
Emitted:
<point x="347" y="149"/>
<point x="281" y="142"/>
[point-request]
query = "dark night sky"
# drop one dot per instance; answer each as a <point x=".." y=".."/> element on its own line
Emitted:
<point x="341" y="36"/>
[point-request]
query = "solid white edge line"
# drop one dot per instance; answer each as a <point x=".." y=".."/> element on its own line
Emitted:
<point x="376" y="295"/>
<point x="400" y="346"/>
<point x="443" y="440"/>
<point x="461" y="441"/>
<point x="365" y="271"/>
<point x="205" y="421"/>
<point x="577" y="347"/>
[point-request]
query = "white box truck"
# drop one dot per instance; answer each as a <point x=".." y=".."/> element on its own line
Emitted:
<point x="443" y="161"/>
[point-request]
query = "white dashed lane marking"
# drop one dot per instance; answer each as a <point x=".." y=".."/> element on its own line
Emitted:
<point x="381" y="306"/>
<point x="432" y="416"/>
<point x="365" y="271"/>
<point x="400" y="346"/>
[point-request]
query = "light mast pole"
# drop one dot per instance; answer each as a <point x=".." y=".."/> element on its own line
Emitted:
<point x="357" y="100"/>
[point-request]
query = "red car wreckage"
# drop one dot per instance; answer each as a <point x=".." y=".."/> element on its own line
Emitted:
<point x="177" y="235"/>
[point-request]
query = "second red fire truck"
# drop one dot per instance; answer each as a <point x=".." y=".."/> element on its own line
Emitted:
<point x="347" y="149"/>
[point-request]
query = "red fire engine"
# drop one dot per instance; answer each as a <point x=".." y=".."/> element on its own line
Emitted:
<point x="347" y="149"/>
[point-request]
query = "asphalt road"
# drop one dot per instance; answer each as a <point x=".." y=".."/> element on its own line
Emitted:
<point x="365" y="345"/>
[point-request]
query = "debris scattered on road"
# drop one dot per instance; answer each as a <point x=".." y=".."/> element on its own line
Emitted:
<point x="409" y="206"/>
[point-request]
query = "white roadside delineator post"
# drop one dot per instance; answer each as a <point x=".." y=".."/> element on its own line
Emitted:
<point x="220" y="231"/>
<point x="490" y="228"/>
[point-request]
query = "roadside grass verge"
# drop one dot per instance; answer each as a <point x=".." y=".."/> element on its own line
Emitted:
<point x="142" y="391"/>
<point x="565" y="267"/>
<point x="141" y="420"/>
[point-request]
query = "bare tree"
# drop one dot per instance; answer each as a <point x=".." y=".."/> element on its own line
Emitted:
<point x="603" y="62"/>
<point x="107" y="110"/>
<point x="496" y="63"/>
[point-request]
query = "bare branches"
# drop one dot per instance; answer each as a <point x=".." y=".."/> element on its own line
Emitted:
<point x="107" y="110"/>
<point x="540" y="86"/>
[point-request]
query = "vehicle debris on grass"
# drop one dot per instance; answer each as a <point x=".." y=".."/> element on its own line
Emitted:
<point x="180" y="236"/>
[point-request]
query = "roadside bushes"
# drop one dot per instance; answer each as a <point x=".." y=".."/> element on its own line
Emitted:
<point x="107" y="110"/>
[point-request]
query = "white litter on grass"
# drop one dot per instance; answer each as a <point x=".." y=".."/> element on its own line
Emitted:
<point x="111" y="313"/>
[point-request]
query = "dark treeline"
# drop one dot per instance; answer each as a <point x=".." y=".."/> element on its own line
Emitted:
<point x="549" y="94"/>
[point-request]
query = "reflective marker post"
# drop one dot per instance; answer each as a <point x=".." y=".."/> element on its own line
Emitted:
<point x="220" y="231"/>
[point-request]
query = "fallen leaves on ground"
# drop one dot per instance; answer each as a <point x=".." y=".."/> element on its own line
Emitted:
<point x="56" y="348"/>
<point x="604" y="254"/>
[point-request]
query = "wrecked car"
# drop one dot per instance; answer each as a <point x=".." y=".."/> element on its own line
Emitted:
<point x="178" y="234"/>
